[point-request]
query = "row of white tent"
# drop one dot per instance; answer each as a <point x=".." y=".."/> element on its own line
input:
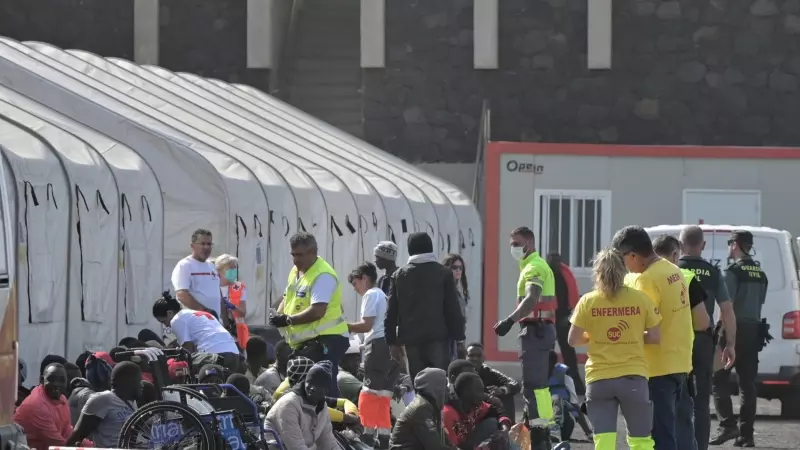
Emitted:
<point x="113" y="165"/>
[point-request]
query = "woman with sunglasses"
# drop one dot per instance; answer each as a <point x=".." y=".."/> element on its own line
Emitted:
<point x="456" y="263"/>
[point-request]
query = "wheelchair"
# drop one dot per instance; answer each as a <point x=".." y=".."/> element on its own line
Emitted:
<point x="194" y="416"/>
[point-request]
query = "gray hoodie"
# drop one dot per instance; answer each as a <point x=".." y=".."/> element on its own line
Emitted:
<point x="300" y="425"/>
<point x="419" y="427"/>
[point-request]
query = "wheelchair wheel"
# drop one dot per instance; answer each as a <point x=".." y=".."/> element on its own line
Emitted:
<point x="187" y="396"/>
<point x="166" y="425"/>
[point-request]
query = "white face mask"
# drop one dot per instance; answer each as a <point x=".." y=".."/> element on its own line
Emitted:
<point x="518" y="253"/>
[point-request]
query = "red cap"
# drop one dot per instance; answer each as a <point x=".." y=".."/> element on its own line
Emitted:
<point x="177" y="369"/>
<point x="106" y="357"/>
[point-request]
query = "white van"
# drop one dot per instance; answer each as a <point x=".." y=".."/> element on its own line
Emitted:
<point x="777" y="253"/>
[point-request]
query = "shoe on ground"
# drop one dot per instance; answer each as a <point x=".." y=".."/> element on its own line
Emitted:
<point x="742" y="441"/>
<point x="724" y="435"/>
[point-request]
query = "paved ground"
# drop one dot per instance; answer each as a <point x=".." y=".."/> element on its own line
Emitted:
<point x="772" y="433"/>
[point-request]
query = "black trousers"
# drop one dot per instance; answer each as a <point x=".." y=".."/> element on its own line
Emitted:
<point x="569" y="355"/>
<point x="748" y="345"/>
<point x="703" y="364"/>
<point x="434" y="354"/>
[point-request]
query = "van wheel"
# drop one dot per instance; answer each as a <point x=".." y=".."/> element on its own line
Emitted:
<point x="790" y="406"/>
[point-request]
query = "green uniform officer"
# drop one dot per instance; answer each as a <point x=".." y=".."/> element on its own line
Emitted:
<point x="536" y="314"/>
<point x="747" y="285"/>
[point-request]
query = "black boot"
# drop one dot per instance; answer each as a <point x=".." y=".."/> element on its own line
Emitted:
<point x="540" y="438"/>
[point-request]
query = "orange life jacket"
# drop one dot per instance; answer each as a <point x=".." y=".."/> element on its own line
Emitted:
<point x="235" y="297"/>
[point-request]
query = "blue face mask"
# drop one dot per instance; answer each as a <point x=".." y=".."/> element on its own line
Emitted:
<point x="231" y="275"/>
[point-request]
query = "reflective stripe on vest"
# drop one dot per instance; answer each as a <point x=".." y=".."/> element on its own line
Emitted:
<point x="235" y="297"/>
<point x="688" y="274"/>
<point x="298" y="299"/>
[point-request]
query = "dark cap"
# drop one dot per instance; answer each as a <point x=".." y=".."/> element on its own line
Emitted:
<point x="211" y="371"/>
<point x="741" y="237"/>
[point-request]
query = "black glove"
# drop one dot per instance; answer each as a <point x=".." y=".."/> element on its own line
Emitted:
<point x="279" y="320"/>
<point x="503" y="327"/>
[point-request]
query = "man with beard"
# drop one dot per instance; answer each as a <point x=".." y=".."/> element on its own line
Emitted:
<point x="385" y="259"/>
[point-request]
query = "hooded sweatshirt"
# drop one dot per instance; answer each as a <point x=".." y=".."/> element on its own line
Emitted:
<point x="419" y="427"/>
<point x="423" y="298"/>
<point x="301" y="425"/>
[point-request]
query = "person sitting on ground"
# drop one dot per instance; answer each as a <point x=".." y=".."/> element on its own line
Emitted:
<point x="347" y="378"/>
<point x="300" y="416"/>
<point x="497" y="384"/>
<point x="566" y="405"/>
<point x="73" y="371"/>
<point x="105" y="412"/>
<point x="44" y="415"/>
<point x="199" y="332"/>
<point x="80" y="361"/>
<point x="22" y="391"/>
<point x="419" y="427"/>
<point x="258" y="356"/>
<point x="211" y="374"/>
<point x="342" y="411"/>
<point x="470" y="419"/>
<point x="98" y="379"/>
<point x="455" y="369"/>
<point x="271" y="378"/>
<point x="149" y="394"/>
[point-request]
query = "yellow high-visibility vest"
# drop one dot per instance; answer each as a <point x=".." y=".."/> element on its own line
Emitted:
<point x="298" y="298"/>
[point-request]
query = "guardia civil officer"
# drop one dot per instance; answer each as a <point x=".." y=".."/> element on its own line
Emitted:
<point x="536" y="314"/>
<point x="710" y="277"/>
<point x="747" y="285"/>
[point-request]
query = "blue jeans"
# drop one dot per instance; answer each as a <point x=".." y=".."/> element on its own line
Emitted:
<point x="337" y="346"/>
<point x="665" y="393"/>
<point x="684" y="425"/>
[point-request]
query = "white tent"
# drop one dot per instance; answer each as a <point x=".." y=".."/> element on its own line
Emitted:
<point x="246" y="195"/>
<point x="227" y="158"/>
<point x="403" y="200"/>
<point x="141" y="214"/>
<point x="465" y="238"/>
<point x="181" y="164"/>
<point x="43" y="204"/>
<point x="348" y="195"/>
<point x="95" y="231"/>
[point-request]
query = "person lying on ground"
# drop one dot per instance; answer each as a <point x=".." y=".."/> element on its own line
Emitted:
<point x="419" y="427"/>
<point x="299" y="416"/>
<point x="566" y="405"/>
<point x="470" y="419"/>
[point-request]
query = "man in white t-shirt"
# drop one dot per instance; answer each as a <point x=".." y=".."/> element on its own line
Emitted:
<point x="199" y="332"/>
<point x="196" y="280"/>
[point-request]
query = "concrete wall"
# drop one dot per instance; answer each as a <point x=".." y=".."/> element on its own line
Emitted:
<point x="203" y="37"/>
<point x="683" y="72"/>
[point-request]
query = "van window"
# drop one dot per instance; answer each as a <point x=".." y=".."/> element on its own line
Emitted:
<point x="796" y="255"/>
<point x="768" y="255"/>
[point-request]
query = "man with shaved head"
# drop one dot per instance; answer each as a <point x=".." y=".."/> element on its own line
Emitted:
<point x="693" y="243"/>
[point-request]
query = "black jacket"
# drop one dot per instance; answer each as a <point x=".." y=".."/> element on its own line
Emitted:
<point x="423" y="305"/>
<point x="493" y="378"/>
<point x="419" y="427"/>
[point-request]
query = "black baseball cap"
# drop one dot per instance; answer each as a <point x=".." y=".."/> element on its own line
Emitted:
<point x="211" y="371"/>
<point x="742" y="237"/>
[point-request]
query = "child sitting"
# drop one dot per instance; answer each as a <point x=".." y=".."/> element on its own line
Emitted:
<point x="469" y="419"/>
<point x="566" y="405"/>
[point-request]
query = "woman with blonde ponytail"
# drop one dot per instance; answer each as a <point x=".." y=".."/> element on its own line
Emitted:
<point x="616" y="322"/>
